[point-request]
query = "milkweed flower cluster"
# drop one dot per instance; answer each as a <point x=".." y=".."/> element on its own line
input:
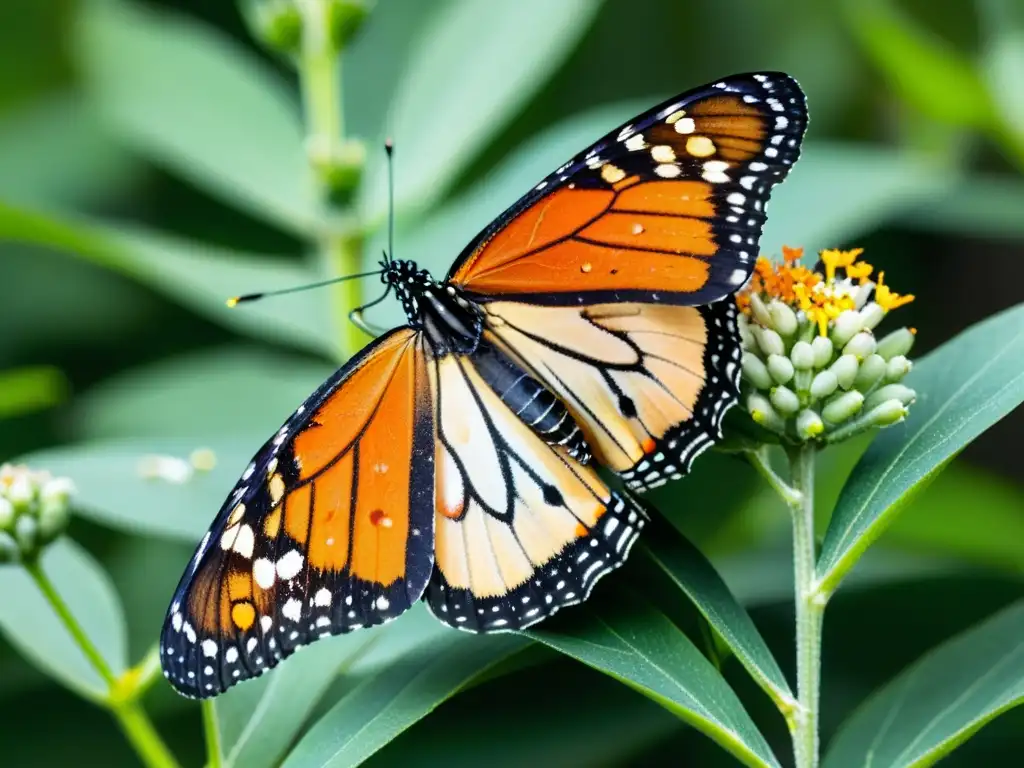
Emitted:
<point x="34" y="510"/>
<point x="813" y="368"/>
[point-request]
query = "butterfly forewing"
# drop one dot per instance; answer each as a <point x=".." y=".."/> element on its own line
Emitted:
<point x="329" y="530"/>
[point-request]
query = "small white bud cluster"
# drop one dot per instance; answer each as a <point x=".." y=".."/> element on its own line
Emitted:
<point x="806" y="386"/>
<point x="34" y="510"/>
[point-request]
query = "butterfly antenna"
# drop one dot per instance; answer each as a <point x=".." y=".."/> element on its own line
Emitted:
<point x="389" y="147"/>
<point x="236" y="300"/>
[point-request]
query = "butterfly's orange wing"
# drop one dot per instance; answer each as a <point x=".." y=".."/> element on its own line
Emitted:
<point x="611" y="281"/>
<point x="329" y="529"/>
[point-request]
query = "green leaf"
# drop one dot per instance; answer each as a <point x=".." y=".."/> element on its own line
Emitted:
<point x="260" y="719"/>
<point x="387" y="703"/>
<point x="964" y="387"/>
<point x="920" y="67"/>
<point x="114" y="489"/>
<point x="185" y="96"/>
<point x="34" y="388"/>
<point x="989" y="204"/>
<point x="636" y="644"/>
<point x="28" y="620"/>
<point x="691" y="572"/>
<point x="876" y="185"/>
<point x="197" y="276"/>
<point x="222" y="391"/>
<point x="461" y="87"/>
<point x="1003" y="63"/>
<point x="55" y="152"/>
<point x="940" y="701"/>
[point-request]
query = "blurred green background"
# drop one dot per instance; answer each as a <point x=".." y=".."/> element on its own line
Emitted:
<point x="151" y="165"/>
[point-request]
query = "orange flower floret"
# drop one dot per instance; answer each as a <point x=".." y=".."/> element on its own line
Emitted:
<point x="822" y="298"/>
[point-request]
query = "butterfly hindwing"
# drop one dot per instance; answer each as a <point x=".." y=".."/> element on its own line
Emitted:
<point x="668" y="208"/>
<point x="330" y="528"/>
<point x="522" y="527"/>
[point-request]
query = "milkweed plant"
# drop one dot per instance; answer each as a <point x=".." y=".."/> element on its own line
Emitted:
<point x="825" y="359"/>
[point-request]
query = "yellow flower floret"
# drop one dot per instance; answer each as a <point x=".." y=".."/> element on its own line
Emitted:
<point x="821" y="297"/>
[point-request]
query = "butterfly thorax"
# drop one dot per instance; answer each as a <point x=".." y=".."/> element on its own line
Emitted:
<point x="450" y="321"/>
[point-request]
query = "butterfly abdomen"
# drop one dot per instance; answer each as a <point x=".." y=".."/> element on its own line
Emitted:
<point x="534" y="404"/>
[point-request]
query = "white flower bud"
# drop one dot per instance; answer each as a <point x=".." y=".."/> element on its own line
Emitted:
<point x="785" y="401"/>
<point x="896" y="343"/>
<point x="809" y="424"/>
<point x="802" y="356"/>
<point x="58" y="489"/>
<point x="6" y="514"/>
<point x="755" y="371"/>
<point x="860" y="346"/>
<point x="843" y="407"/>
<point x="760" y="311"/>
<point x="8" y="548"/>
<point x="783" y="318"/>
<point x="53" y="519"/>
<point x="21" y="492"/>
<point x="897" y="368"/>
<point x="871" y="315"/>
<point x="845" y="326"/>
<point x="824" y="384"/>
<point x="845" y="369"/>
<point x="892" y="392"/>
<point x="823" y="349"/>
<point x="872" y="369"/>
<point x="769" y="341"/>
<point x="747" y="340"/>
<point x="862" y="293"/>
<point x="887" y="413"/>
<point x="25" y="530"/>
<point x="780" y="368"/>
<point x="762" y="412"/>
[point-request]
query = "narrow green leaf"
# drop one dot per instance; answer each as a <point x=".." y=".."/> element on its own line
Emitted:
<point x="30" y="624"/>
<point x="636" y="644"/>
<point x="399" y="695"/>
<point x="34" y="388"/>
<point x="480" y="79"/>
<point x="1003" y="63"/>
<point x="184" y="95"/>
<point x="964" y="386"/>
<point x="258" y="720"/>
<point x="920" y="67"/>
<point x="222" y="391"/>
<point x="691" y="572"/>
<point x="940" y="701"/>
<point x="198" y="276"/>
<point x="116" y="487"/>
<point x="876" y="185"/>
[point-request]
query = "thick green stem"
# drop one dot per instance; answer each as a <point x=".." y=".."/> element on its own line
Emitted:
<point x="810" y="607"/>
<point x="123" y="704"/>
<point x="319" y="68"/>
<point x="214" y="757"/>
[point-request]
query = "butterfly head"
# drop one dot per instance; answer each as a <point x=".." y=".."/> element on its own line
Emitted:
<point x="450" y="321"/>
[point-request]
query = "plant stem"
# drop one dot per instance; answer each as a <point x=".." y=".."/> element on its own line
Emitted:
<point x="810" y="607"/>
<point x="762" y="464"/>
<point x="319" y="69"/>
<point x="137" y="727"/>
<point x="214" y="758"/>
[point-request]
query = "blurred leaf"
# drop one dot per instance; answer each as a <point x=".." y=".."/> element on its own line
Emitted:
<point x="184" y="95"/>
<point x="197" y="276"/>
<point x="475" y="66"/>
<point x="940" y="701"/>
<point x="691" y="572"/>
<point x="34" y="388"/>
<point x="29" y="622"/>
<point x="921" y="68"/>
<point x="112" y="488"/>
<point x="985" y="204"/>
<point x="964" y="387"/>
<point x="636" y="644"/>
<point x="1004" y="63"/>
<point x="223" y="391"/>
<point x="934" y="521"/>
<point x="54" y="152"/>
<point x="840" y="191"/>
<point x="260" y="719"/>
<point x="386" y="704"/>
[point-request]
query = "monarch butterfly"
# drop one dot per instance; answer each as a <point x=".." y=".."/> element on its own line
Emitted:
<point x="453" y="459"/>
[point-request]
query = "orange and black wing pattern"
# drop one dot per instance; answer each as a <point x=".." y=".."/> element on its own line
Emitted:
<point x="329" y="529"/>
<point x="668" y="208"/>
<point x="522" y="528"/>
